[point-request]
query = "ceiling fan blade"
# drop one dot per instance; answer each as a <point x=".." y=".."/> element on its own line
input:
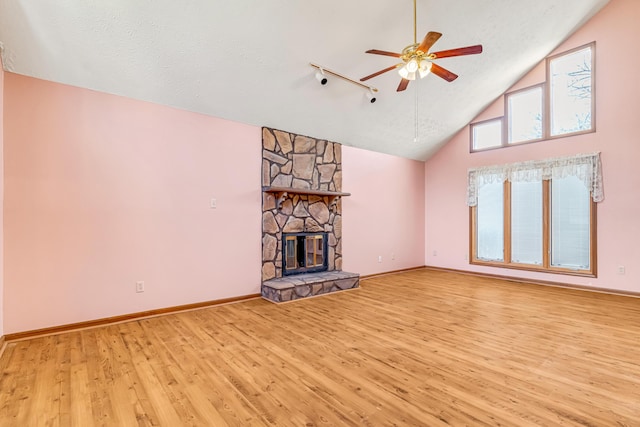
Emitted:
<point x="444" y="73"/>
<point x="383" y="52"/>
<point x="370" y="76"/>
<point x="428" y="41"/>
<point x="403" y="85"/>
<point x="469" y="50"/>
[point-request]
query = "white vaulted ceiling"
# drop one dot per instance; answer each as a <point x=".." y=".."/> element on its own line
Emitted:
<point x="248" y="61"/>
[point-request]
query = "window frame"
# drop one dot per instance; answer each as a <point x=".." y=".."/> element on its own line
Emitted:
<point x="505" y="131"/>
<point x="546" y="106"/>
<point x="546" y="266"/>
<point x="484" y="122"/>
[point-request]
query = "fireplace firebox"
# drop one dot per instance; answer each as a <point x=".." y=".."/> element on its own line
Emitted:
<point x="304" y="253"/>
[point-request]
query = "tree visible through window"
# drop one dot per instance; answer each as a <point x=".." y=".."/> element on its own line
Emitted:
<point x="562" y="105"/>
<point x="524" y="115"/>
<point x="570" y="91"/>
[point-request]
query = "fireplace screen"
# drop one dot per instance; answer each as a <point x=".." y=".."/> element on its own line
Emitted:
<point x="304" y="252"/>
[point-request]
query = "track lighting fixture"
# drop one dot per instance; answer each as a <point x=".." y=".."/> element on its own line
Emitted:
<point x="321" y="76"/>
<point x="371" y="96"/>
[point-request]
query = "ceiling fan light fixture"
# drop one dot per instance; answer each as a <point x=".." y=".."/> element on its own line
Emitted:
<point x="417" y="58"/>
<point x="406" y="74"/>
<point x="412" y="65"/>
<point x="425" y="68"/>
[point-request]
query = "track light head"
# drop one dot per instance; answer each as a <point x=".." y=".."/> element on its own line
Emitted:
<point x="320" y="76"/>
<point x="371" y="96"/>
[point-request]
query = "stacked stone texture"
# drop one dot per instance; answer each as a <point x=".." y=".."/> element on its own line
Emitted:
<point x="305" y="285"/>
<point x="301" y="162"/>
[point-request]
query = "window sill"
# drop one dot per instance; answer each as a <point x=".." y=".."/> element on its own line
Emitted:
<point x="534" y="268"/>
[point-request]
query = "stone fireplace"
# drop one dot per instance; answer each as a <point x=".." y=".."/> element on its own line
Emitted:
<point x="301" y="217"/>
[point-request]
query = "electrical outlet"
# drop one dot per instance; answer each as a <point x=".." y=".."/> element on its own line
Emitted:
<point x="139" y="287"/>
<point x="435" y="253"/>
<point x="379" y="258"/>
<point x="393" y="256"/>
<point x="621" y="269"/>
<point x="214" y="204"/>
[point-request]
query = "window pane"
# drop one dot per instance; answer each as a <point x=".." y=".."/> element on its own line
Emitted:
<point x="570" y="223"/>
<point x="319" y="251"/>
<point x="571" y="91"/>
<point x="490" y="216"/>
<point x="310" y="248"/>
<point x="524" y="112"/>
<point x="526" y="222"/>
<point x="487" y="134"/>
<point x="290" y="251"/>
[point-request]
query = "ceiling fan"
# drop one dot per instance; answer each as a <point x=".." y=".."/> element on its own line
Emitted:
<point x="416" y="58"/>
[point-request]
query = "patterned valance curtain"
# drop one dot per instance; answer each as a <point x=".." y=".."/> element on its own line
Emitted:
<point x="586" y="167"/>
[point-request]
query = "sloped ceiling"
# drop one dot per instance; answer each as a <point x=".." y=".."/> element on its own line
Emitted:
<point x="248" y="61"/>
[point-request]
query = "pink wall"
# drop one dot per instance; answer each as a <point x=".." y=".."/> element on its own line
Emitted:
<point x="1" y="199"/>
<point x="385" y="214"/>
<point x="616" y="32"/>
<point x="103" y="191"/>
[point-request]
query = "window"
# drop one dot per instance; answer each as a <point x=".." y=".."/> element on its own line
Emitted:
<point x="570" y="223"/>
<point x="537" y="215"/>
<point x="487" y="134"/>
<point x="570" y="81"/>
<point x="563" y="105"/>
<point x="526" y="222"/>
<point x="524" y="115"/>
<point x="490" y="214"/>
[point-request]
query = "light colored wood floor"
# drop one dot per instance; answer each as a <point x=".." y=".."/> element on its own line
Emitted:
<point x="422" y="348"/>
